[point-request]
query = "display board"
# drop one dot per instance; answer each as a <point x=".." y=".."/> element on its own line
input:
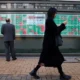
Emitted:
<point x="26" y="24"/>
<point x="34" y="24"/>
<point x="73" y="23"/>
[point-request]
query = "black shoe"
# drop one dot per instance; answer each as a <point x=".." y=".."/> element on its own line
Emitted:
<point x="34" y="75"/>
<point x="65" y="77"/>
<point x="14" y="59"/>
<point x="8" y="60"/>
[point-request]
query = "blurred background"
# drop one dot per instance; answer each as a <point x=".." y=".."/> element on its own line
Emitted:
<point x="29" y="17"/>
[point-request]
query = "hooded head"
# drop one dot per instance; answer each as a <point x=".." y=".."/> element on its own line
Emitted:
<point x="51" y="12"/>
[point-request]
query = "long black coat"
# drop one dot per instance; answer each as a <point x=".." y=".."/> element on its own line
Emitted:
<point x="51" y="55"/>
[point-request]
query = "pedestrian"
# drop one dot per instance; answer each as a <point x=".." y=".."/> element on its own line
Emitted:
<point x="51" y="55"/>
<point x="8" y="31"/>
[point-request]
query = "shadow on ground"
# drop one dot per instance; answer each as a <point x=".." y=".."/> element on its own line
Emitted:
<point x="27" y="77"/>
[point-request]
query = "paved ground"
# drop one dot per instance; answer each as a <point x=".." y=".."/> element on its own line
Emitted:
<point x="19" y="69"/>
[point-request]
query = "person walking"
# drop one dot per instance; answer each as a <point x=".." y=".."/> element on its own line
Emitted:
<point x="51" y="55"/>
<point x="8" y="31"/>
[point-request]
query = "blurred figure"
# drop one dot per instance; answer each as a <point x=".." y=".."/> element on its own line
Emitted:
<point x="51" y="55"/>
<point x="8" y="31"/>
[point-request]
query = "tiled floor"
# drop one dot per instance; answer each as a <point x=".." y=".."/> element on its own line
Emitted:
<point x="19" y="69"/>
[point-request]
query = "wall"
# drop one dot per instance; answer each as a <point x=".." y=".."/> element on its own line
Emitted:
<point x="34" y="45"/>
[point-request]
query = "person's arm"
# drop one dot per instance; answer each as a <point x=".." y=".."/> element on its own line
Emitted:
<point x="14" y="32"/>
<point x="2" y="29"/>
<point x="61" y="27"/>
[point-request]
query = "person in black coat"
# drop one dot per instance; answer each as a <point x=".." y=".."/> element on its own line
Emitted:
<point x="51" y="55"/>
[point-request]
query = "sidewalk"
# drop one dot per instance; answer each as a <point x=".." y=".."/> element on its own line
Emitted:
<point x="19" y="69"/>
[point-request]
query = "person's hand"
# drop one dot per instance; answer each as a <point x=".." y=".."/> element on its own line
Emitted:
<point x="58" y="25"/>
<point x="65" y="22"/>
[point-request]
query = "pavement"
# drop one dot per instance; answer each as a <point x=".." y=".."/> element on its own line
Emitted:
<point x="19" y="69"/>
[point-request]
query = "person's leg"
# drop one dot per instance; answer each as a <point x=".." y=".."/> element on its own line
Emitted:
<point x="36" y="68"/>
<point x="12" y="50"/>
<point x="62" y="75"/>
<point x="7" y="50"/>
<point x="34" y="71"/>
<point x="60" y="70"/>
